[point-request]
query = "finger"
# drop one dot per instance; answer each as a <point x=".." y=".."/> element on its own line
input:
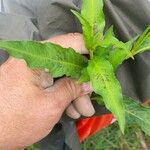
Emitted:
<point x="87" y="87"/>
<point x="42" y="78"/>
<point x="84" y="106"/>
<point x="64" y="91"/>
<point x="72" y="112"/>
<point x="73" y="40"/>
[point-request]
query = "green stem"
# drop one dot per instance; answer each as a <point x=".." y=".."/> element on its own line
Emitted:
<point x="91" y="54"/>
<point x="142" y="141"/>
<point x="141" y="50"/>
<point x="142" y="38"/>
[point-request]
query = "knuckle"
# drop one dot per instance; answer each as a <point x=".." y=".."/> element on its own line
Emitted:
<point x="74" y="35"/>
<point x="42" y="79"/>
<point x="72" y="88"/>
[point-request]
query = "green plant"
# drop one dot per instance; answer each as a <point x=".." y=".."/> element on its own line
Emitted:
<point x="111" y="138"/>
<point x="106" y="54"/>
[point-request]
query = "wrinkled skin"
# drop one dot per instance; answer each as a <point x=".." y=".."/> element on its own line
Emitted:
<point x="31" y="104"/>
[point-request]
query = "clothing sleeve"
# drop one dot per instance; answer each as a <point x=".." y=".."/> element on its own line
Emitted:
<point x="51" y="17"/>
<point x="3" y="56"/>
<point x="15" y="26"/>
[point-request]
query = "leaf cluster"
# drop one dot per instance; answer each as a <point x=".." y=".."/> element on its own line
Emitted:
<point x="106" y="53"/>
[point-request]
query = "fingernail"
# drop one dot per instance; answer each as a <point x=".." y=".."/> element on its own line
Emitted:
<point x="86" y="87"/>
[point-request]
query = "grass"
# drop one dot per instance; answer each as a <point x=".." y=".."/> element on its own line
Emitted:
<point x="112" y="139"/>
<point x="33" y="147"/>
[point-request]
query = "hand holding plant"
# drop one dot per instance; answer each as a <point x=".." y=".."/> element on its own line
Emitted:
<point x="106" y="54"/>
<point x="31" y="104"/>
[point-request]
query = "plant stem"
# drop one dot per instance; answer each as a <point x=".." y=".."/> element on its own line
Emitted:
<point x="144" y="35"/>
<point x="141" y="50"/>
<point x="142" y="140"/>
<point x="91" y="54"/>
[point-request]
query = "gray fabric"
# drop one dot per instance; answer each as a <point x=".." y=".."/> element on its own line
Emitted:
<point x="17" y="27"/>
<point x="56" y="137"/>
<point x="41" y="19"/>
<point x="3" y="56"/>
<point x="63" y="136"/>
<point x="51" y="17"/>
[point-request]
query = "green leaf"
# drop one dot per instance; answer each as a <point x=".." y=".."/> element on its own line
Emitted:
<point x="102" y="52"/>
<point x="130" y="44"/>
<point x="121" y="52"/>
<point x="97" y="98"/>
<point x="116" y="51"/>
<point x="109" y="38"/>
<point x="142" y="38"/>
<point x="143" y="47"/>
<point x="137" y="114"/>
<point x="84" y="76"/>
<point x="105" y="84"/>
<point x="92" y="10"/>
<point x="60" y="61"/>
<point x="93" y="23"/>
<point x="117" y="56"/>
<point x="87" y="31"/>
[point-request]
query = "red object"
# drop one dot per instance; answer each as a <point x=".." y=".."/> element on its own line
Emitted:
<point x="90" y="126"/>
<point x="147" y="102"/>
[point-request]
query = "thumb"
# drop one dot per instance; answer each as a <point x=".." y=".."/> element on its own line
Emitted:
<point x="65" y="90"/>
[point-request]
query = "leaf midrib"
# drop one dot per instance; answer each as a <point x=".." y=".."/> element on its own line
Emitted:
<point x="41" y="57"/>
<point x="104" y="79"/>
<point x="129" y="112"/>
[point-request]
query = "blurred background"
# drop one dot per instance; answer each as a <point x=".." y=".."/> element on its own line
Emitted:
<point x="111" y="138"/>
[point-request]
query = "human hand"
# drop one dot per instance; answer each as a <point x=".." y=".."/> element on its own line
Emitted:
<point x="82" y="105"/>
<point x="29" y="105"/>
